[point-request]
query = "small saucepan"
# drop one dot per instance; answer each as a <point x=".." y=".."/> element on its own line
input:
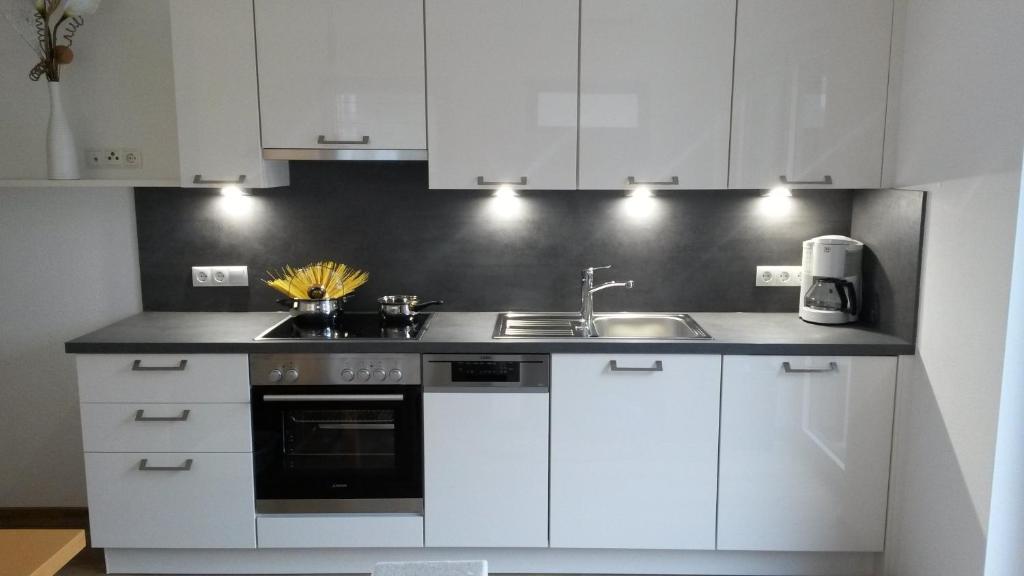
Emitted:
<point x="402" y="308"/>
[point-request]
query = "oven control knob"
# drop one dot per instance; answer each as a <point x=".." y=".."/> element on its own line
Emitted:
<point x="291" y="375"/>
<point x="274" y="376"/>
<point x="396" y="375"/>
<point x="380" y="375"/>
<point x="364" y="374"/>
<point x="348" y="375"/>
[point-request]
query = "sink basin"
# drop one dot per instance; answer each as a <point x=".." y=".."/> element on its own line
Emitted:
<point x="652" y="326"/>
<point x="641" y="325"/>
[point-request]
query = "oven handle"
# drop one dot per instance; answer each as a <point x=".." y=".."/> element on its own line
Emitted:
<point x="334" y="397"/>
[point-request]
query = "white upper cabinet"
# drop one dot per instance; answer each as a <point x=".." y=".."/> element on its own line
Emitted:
<point x="634" y="451"/>
<point x="341" y="74"/>
<point x="655" y="86"/>
<point x="810" y="93"/>
<point x="502" y="93"/>
<point x="215" y="90"/>
<point x="805" y="452"/>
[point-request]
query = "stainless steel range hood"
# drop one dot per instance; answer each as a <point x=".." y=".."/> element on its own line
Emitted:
<point x="342" y="154"/>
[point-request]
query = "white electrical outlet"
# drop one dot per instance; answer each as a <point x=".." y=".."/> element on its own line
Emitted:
<point x="778" y="276"/>
<point x="132" y="158"/>
<point x="113" y="158"/>
<point x="219" y="276"/>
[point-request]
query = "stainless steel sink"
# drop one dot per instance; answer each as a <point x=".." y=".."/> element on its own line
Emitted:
<point x="640" y="325"/>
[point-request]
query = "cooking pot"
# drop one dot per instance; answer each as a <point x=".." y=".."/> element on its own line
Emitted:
<point x="402" y="308"/>
<point x="314" y="312"/>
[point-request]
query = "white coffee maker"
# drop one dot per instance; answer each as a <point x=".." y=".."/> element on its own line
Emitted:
<point x="830" y="286"/>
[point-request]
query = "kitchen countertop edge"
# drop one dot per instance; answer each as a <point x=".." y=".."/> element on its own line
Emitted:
<point x="470" y="333"/>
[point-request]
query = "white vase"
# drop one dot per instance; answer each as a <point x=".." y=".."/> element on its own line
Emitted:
<point x="61" y="153"/>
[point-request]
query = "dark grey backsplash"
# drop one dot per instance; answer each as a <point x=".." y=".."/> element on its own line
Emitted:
<point x="891" y="225"/>
<point x="687" y="251"/>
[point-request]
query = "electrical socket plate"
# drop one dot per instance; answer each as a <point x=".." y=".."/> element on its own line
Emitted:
<point x="220" y="276"/>
<point x="113" y="158"/>
<point x="778" y="276"/>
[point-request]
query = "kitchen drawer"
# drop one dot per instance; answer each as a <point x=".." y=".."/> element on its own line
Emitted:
<point x="166" y="428"/>
<point x="341" y="531"/>
<point x="208" y="505"/>
<point x="163" y="378"/>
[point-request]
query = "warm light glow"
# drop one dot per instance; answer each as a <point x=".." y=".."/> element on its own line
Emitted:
<point x="505" y="191"/>
<point x="641" y="192"/>
<point x="232" y="191"/>
<point x="775" y="206"/>
<point x="779" y="192"/>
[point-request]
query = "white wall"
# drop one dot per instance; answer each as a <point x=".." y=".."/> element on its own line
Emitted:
<point x="960" y="135"/>
<point x="1005" y="552"/>
<point x="68" y="265"/>
<point x="119" y="92"/>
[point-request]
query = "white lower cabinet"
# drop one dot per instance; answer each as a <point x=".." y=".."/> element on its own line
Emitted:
<point x="170" y="500"/>
<point x="805" y="452"/>
<point x="166" y="428"/>
<point x="486" y="469"/>
<point x="634" y="451"/>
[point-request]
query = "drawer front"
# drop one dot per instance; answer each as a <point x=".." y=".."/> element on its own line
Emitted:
<point x="163" y="378"/>
<point x="208" y="505"/>
<point x="166" y="428"/>
<point x="341" y="531"/>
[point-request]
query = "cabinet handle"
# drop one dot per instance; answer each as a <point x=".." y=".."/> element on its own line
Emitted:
<point x="145" y="467"/>
<point x="198" y="179"/>
<point x="832" y="367"/>
<point x="826" y="180"/>
<point x="323" y="140"/>
<point x="140" y="417"/>
<point x="333" y="397"/>
<point x="480" y="181"/>
<point x="632" y="181"/>
<point x="658" y="367"/>
<point x="138" y="367"/>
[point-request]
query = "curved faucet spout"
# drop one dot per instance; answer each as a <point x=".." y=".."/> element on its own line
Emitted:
<point x="613" y="284"/>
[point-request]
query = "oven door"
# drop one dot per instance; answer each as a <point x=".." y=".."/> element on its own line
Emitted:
<point x="338" y="448"/>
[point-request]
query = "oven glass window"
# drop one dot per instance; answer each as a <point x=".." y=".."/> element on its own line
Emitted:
<point x="340" y="438"/>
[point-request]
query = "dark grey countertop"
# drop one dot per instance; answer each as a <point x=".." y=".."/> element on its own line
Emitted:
<point x="470" y="332"/>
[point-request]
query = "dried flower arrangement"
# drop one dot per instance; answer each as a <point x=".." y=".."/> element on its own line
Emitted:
<point x="42" y="24"/>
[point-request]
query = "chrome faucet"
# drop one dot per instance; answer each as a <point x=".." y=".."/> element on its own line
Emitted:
<point x="587" y="290"/>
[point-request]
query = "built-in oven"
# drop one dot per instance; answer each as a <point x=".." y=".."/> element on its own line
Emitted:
<point x="337" y="433"/>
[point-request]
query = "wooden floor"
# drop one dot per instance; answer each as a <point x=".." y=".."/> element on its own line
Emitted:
<point x="88" y="562"/>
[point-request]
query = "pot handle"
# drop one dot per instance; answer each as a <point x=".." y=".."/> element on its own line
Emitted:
<point x="286" y="302"/>
<point x="423" y="305"/>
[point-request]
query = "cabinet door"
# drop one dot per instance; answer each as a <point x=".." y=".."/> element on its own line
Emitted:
<point x="805" y="452"/>
<point x="655" y="87"/>
<point x="174" y="500"/>
<point x="216" y="94"/>
<point x="810" y="92"/>
<point x="341" y="74"/>
<point x="502" y="83"/>
<point x="634" y="451"/>
<point x="486" y="469"/>
<point x="166" y="427"/>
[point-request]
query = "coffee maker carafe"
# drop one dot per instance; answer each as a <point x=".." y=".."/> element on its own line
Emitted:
<point x="830" y="287"/>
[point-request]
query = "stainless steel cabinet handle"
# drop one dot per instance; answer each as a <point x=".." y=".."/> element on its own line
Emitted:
<point x="333" y="397"/>
<point x="141" y="417"/>
<point x="480" y="181"/>
<point x="138" y="367"/>
<point x="658" y="367"/>
<point x="832" y="367"/>
<point x="198" y="179"/>
<point x="826" y="180"/>
<point x="323" y="140"/>
<point x="144" y="466"/>
<point x="673" y="181"/>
